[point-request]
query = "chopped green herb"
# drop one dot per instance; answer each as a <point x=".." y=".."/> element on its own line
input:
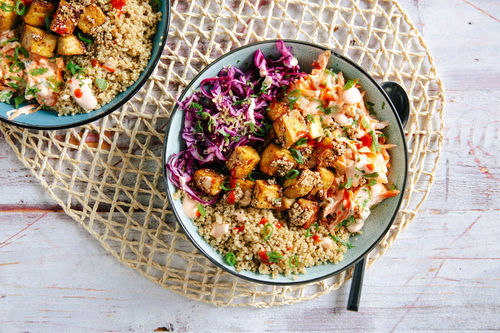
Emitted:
<point x="74" y="68"/>
<point x="371" y="175"/>
<point x="267" y="232"/>
<point x="293" y="261"/>
<point x="365" y="123"/>
<point x="84" y="38"/>
<point x="372" y="182"/>
<point x="20" y="7"/>
<point x="338" y="240"/>
<point x="301" y="142"/>
<point x="369" y="106"/>
<point x="310" y="118"/>
<point x="48" y="21"/>
<point x="13" y="85"/>
<point x="350" y="83"/>
<point x="18" y="101"/>
<point x="101" y="83"/>
<point x="251" y="176"/>
<point x="39" y="71"/>
<point x="383" y="105"/>
<point x="393" y="187"/>
<point x="292" y="97"/>
<point x="201" y="209"/>
<point x="274" y="256"/>
<point x="308" y="232"/>
<point x="230" y="258"/>
<point x="292" y="174"/>
<point x="31" y="91"/>
<point x="24" y="52"/>
<point x="155" y="4"/>
<point x="330" y="71"/>
<point x="297" y="156"/>
<point x="18" y="64"/>
<point x="5" y="95"/>
<point x="226" y="187"/>
<point x="375" y="145"/>
<point x="347" y="185"/>
<point x="196" y="106"/>
<point x="5" y="7"/>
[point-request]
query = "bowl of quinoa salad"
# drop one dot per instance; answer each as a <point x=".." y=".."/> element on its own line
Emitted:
<point x="69" y="62"/>
<point x="285" y="162"/>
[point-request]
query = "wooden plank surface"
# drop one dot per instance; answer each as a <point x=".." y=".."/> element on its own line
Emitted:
<point x="441" y="274"/>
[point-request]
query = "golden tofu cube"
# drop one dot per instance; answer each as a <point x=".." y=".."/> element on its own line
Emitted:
<point x="276" y="160"/>
<point x="38" y="41"/>
<point x="289" y="128"/>
<point x="303" y="213"/>
<point x="245" y="184"/>
<point x="327" y="179"/>
<point x="8" y="19"/>
<point x="70" y="45"/>
<point x="37" y="12"/>
<point x="65" y="19"/>
<point x="277" y="109"/>
<point x="301" y="185"/>
<point x="208" y="181"/>
<point x="286" y="203"/>
<point x="242" y="161"/>
<point x="91" y="18"/>
<point x="315" y="127"/>
<point x="266" y="195"/>
<point x="324" y="155"/>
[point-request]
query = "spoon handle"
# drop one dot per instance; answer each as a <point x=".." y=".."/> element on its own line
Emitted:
<point x="356" y="285"/>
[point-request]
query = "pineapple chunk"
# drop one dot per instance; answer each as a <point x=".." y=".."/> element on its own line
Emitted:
<point x="242" y="161"/>
<point x="38" y="41"/>
<point x="315" y="127"/>
<point x="327" y="179"/>
<point x="208" y="181"/>
<point x="289" y="128"/>
<point x="8" y="19"/>
<point x="266" y="195"/>
<point x="277" y="109"/>
<point x="65" y="19"/>
<point x="70" y="45"/>
<point x="276" y="160"/>
<point x="91" y="18"/>
<point x="303" y="184"/>
<point x="37" y="12"/>
<point x="303" y="213"/>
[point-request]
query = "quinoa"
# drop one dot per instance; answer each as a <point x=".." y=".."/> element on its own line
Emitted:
<point x="124" y="41"/>
<point x="245" y="239"/>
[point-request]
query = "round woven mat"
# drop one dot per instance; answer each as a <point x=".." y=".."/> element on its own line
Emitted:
<point x="108" y="175"/>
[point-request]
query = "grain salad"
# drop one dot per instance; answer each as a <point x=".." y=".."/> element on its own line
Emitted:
<point x="281" y="167"/>
<point x="72" y="56"/>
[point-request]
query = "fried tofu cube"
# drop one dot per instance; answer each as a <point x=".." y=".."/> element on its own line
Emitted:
<point x="37" y="12"/>
<point x="38" y="41"/>
<point x="327" y="179"/>
<point x="244" y="191"/>
<point x="315" y="127"/>
<point x="289" y="128"/>
<point x="208" y="181"/>
<point x="286" y="203"/>
<point x="65" y="19"/>
<point x="70" y="45"/>
<point x="91" y="18"/>
<point x="324" y="154"/>
<point x="242" y="161"/>
<point x="266" y="195"/>
<point x="276" y="160"/>
<point x="8" y="19"/>
<point x="277" y="109"/>
<point x="303" y="213"/>
<point x="301" y="185"/>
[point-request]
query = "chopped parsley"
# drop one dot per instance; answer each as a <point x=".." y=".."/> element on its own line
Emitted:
<point x="101" y="83"/>
<point x="350" y="83"/>
<point x="297" y="156"/>
<point x="375" y="145"/>
<point x="369" y="106"/>
<point x="347" y="185"/>
<point x="293" y="97"/>
<point x="39" y="71"/>
<point x="338" y="240"/>
<point x="74" y="68"/>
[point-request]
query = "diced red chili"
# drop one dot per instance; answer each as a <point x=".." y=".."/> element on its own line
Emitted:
<point x="240" y="228"/>
<point x="263" y="220"/>
<point x="366" y="140"/>
<point x="78" y="93"/>
<point x="278" y="225"/>
<point x="231" y="198"/>
<point x="263" y="257"/>
<point x="198" y="214"/>
<point x="316" y="238"/>
<point x="118" y="4"/>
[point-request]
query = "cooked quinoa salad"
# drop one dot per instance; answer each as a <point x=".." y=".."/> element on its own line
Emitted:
<point x="72" y="56"/>
<point x="281" y="167"/>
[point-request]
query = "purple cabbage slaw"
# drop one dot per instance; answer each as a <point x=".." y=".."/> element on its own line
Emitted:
<point x="229" y="111"/>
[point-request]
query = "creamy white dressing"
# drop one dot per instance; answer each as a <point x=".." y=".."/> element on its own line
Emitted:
<point x="356" y="227"/>
<point x="263" y="72"/>
<point x="219" y="230"/>
<point x="190" y="207"/>
<point x="87" y="100"/>
<point x="351" y="96"/>
<point x="342" y="119"/>
<point x="294" y="62"/>
<point x="206" y="183"/>
<point x="251" y="110"/>
<point x="268" y="81"/>
<point x="327" y="243"/>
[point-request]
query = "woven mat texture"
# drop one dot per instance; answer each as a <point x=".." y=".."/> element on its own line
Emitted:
<point x="108" y="175"/>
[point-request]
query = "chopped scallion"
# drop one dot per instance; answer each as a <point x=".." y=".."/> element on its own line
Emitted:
<point x="101" y="83"/>
<point x="297" y="156"/>
<point x="267" y="232"/>
<point x="292" y="174"/>
<point x="230" y="258"/>
<point x="201" y="209"/>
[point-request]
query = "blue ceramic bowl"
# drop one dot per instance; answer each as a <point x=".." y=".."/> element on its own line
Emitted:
<point x="47" y="120"/>
<point x="383" y="215"/>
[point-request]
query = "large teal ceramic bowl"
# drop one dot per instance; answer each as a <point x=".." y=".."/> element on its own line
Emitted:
<point x="47" y="120"/>
<point x="383" y="215"/>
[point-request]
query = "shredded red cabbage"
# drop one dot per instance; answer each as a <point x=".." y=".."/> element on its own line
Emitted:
<point x="229" y="111"/>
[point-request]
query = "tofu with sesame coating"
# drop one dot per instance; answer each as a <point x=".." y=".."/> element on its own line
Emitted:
<point x="301" y="185"/>
<point x="208" y="181"/>
<point x="242" y="161"/>
<point x="276" y="161"/>
<point x="303" y="213"/>
<point x="289" y="128"/>
<point x="266" y="195"/>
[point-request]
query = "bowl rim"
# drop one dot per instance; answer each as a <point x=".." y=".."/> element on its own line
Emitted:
<point x="305" y="281"/>
<point x="149" y="70"/>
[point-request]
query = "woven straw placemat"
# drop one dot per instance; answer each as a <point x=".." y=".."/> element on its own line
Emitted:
<point x="108" y="175"/>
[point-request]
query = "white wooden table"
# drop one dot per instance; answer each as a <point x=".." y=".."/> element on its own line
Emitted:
<point x="441" y="274"/>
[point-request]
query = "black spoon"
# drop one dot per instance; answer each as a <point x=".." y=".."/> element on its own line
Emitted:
<point x="400" y="100"/>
